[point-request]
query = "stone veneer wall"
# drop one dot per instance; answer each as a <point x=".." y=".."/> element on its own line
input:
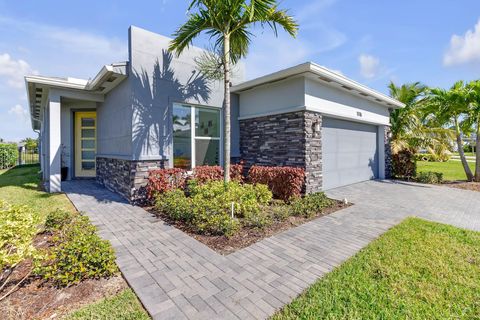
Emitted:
<point x="388" y="153"/>
<point x="284" y="140"/>
<point x="126" y="177"/>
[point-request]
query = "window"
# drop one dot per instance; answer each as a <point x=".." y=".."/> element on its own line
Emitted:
<point x="203" y="141"/>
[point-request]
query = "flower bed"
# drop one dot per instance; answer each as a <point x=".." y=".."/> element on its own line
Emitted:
<point x="230" y="216"/>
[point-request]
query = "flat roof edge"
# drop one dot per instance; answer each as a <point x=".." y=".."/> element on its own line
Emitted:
<point x="345" y="83"/>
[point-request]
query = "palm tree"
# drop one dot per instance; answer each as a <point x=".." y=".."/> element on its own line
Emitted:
<point x="447" y="107"/>
<point x="228" y="22"/>
<point x="406" y="125"/>
<point x="471" y="121"/>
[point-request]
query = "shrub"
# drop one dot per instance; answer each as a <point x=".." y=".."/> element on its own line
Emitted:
<point x="284" y="182"/>
<point x="78" y="253"/>
<point x="8" y="155"/>
<point x="280" y="211"/>
<point x="217" y="224"/>
<point x="311" y="204"/>
<point x="430" y="177"/>
<point x="163" y="180"/>
<point x="404" y="165"/>
<point x="213" y="206"/>
<point x="245" y="197"/>
<point x="257" y="219"/>
<point x="18" y="227"/>
<point x="175" y="204"/>
<point x="203" y="174"/>
<point x="209" y="207"/>
<point x="58" y="219"/>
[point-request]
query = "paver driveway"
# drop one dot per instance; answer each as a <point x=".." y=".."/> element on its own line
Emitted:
<point x="177" y="277"/>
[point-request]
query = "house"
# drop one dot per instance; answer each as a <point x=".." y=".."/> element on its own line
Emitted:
<point x="137" y="115"/>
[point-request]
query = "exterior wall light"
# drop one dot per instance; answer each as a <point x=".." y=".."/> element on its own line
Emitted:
<point x="316" y="127"/>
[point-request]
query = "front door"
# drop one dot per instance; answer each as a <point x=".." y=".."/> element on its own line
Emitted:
<point x="85" y="143"/>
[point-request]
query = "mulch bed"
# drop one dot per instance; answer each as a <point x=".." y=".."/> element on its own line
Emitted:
<point x="245" y="236"/>
<point x="37" y="299"/>
<point x="472" y="186"/>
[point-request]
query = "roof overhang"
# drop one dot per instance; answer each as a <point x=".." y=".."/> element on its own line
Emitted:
<point x="38" y="87"/>
<point x="324" y="76"/>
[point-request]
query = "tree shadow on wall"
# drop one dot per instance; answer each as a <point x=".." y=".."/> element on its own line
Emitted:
<point x="152" y="96"/>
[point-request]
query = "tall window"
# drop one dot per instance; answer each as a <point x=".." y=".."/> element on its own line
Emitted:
<point x="203" y="142"/>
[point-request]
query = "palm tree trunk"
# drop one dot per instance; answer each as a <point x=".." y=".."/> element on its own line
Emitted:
<point x="477" y="154"/>
<point x="226" y="109"/>
<point x="468" y="172"/>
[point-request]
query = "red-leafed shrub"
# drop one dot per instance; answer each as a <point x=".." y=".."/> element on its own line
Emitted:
<point x="284" y="182"/>
<point x="236" y="172"/>
<point x="203" y="174"/>
<point x="163" y="180"/>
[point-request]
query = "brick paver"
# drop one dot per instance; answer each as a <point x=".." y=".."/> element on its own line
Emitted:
<point x="177" y="277"/>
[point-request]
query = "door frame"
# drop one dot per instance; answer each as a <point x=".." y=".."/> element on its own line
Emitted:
<point x="74" y="174"/>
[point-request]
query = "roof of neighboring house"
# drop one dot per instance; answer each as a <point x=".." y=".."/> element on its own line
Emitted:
<point x="106" y="79"/>
<point x="325" y="76"/>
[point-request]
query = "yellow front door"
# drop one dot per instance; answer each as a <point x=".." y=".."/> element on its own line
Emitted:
<point x="85" y="143"/>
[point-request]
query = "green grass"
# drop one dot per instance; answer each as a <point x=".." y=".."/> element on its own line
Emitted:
<point x="417" y="270"/>
<point x="468" y="154"/>
<point x="123" y="306"/>
<point x="20" y="185"/>
<point x="452" y="170"/>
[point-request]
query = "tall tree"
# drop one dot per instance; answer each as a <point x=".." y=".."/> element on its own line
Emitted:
<point x="406" y="122"/>
<point x="471" y="121"/>
<point x="229" y="23"/>
<point x="448" y="107"/>
<point x="30" y="143"/>
<point x="409" y="126"/>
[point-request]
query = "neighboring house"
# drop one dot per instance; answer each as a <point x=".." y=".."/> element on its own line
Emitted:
<point x="137" y="116"/>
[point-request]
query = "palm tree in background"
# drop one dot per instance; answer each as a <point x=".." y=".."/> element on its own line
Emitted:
<point x="448" y="107"/>
<point x="229" y="23"/>
<point x="406" y="124"/>
<point x="471" y="120"/>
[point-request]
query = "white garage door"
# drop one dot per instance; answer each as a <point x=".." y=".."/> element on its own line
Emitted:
<point x="349" y="151"/>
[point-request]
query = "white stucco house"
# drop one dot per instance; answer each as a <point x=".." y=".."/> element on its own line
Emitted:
<point x="156" y="111"/>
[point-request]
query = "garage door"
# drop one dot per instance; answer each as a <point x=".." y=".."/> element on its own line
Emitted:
<point x="349" y="151"/>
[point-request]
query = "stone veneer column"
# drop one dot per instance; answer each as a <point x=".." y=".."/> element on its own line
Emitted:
<point x="388" y="153"/>
<point x="313" y="151"/>
<point x="126" y="177"/>
<point x="285" y="140"/>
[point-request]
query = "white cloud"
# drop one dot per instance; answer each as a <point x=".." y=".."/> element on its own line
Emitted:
<point x="369" y="66"/>
<point x="464" y="49"/>
<point x="20" y="112"/>
<point x="70" y="39"/>
<point x="14" y="70"/>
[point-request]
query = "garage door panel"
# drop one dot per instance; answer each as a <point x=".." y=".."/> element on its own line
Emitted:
<point x="350" y="152"/>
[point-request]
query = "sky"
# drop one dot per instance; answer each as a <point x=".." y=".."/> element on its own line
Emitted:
<point x="373" y="42"/>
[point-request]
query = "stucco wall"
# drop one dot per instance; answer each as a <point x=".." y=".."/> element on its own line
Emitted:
<point x="285" y="95"/>
<point x="157" y="80"/>
<point x="338" y="103"/>
<point x="114" y="118"/>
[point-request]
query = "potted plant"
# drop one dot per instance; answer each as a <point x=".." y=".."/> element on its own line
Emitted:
<point x="63" y="158"/>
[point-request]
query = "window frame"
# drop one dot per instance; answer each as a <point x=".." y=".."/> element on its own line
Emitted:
<point x="193" y="131"/>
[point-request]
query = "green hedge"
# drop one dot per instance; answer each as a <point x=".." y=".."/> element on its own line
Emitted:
<point x="8" y="155"/>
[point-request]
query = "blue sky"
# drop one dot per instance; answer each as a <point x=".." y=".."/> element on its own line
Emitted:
<point x="372" y="42"/>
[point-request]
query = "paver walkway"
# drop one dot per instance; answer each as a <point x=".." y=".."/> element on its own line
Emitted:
<point x="177" y="277"/>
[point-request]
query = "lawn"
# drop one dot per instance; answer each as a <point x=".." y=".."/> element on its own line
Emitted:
<point x="417" y="270"/>
<point x="123" y="306"/>
<point x="20" y="185"/>
<point x="452" y="170"/>
<point x="468" y="154"/>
